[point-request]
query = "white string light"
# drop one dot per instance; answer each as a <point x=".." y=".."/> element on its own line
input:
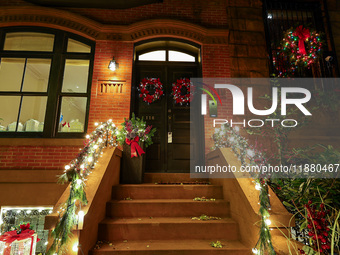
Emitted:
<point x="81" y="166"/>
<point x="268" y="222"/>
<point x="258" y="186"/>
<point x="230" y="137"/>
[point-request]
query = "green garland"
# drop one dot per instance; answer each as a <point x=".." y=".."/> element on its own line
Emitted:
<point x="134" y="127"/>
<point x="264" y="243"/>
<point x="290" y="59"/>
<point x="76" y="173"/>
<point x="230" y="137"/>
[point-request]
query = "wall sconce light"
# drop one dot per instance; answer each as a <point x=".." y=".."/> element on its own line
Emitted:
<point x="113" y="65"/>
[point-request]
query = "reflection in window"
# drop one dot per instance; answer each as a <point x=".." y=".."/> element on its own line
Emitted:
<point x="180" y="56"/>
<point x="29" y="41"/>
<point x="11" y="71"/>
<point x="158" y="55"/>
<point x="36" y="75"/>
<point x="9" y="108"/>
<point x="76" y="75"/>
<point x="76" y="46"/>
<point x="72" y="116"/>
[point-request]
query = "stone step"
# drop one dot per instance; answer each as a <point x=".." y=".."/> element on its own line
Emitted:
<point x="171" y="178"/>
<point x="172" y="247"/>
<point x="166" y="208"/>
<point x="146" y="228"/>
<point x="160" y="191"/>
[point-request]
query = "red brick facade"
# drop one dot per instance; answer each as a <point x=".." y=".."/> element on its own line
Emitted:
<point x="115" y="32"/>
<point x="36" y="157"/>
<point x="109" y="106"/>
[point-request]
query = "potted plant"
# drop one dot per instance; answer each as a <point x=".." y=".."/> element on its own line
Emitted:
<point x="134" y="136"/>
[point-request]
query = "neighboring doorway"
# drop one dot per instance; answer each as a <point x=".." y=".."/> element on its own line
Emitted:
<point x="168" y="61"/>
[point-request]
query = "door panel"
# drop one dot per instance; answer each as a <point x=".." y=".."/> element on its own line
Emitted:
<point x="178" y="152"/>
<point x="154" y="115"/>
<point x="166" y="116"/>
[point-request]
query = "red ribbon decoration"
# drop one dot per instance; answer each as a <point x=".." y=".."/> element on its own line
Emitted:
<point x="11" y="236"/>
<point x="303" y="34"/>
<point x="135" y="147"/>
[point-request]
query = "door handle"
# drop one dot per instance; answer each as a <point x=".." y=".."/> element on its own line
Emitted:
<point x="169" y="127"/>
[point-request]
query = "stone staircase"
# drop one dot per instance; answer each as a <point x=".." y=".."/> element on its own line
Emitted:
<point x="156" y="219"/>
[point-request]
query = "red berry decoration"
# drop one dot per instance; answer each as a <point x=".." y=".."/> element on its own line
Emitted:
<point x="151" y="89"/>
<point x="182" y="91"/>
<point x="318" y="227"/>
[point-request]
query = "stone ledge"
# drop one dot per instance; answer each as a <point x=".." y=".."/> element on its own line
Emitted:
<point x="29" y="176"/>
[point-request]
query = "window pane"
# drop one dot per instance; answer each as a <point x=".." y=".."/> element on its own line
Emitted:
<point x="11" y="71"/>
<point x="9" y="108"/>
<point x="158" y="55"/>
<point x="76" y="46"/>
<point x="33" y="113"/>
<point x="72" y="117"/>
<point x="180" y="56"/>
<point x="29" y="41"/>
<point x="36" y="75"/>
<point x="75" y="75"/>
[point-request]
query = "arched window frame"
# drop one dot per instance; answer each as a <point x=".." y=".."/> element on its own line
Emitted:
<point x="167" y="50"/>
<point x="54" y="91"/>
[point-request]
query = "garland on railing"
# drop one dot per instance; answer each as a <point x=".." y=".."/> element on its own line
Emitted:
<point x="76" y="173"/>
<point x="251" y="155"/>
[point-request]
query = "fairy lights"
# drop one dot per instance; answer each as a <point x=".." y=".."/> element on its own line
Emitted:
<point x="76" y="173"/>
<point x="292" y="57"/>
<point x="230" y="137"/>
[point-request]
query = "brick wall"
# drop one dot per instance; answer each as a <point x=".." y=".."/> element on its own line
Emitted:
<point x="334" y="15"/>
<point x="247" y="39"/>
<point x="215" y="64"/>
<point x="35" y="157"/>
<point x="114" y="106"/>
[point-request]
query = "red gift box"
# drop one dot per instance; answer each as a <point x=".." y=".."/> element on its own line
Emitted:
<point x="23" y="241"/>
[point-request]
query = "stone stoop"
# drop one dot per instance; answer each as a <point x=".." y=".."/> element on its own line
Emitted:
<point x="150" y="219"/>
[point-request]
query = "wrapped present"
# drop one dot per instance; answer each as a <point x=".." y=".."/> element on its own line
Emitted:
<point x="12" y="126"/>
<point x="2" y="247"/>
<point x="41" y="127"/>
<point x="76" y="126"/>
<point x="21" y="242"/>
<point x="31" y="125"/>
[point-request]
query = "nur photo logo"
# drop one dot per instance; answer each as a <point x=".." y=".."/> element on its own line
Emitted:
<point x="287" y="96"/>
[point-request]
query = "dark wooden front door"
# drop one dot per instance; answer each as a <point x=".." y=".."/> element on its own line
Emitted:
<point x="171" y="149"/>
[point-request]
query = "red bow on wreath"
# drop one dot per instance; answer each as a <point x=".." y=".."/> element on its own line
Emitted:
<point x="303" y="34"/>
<point x="135" y="147"/>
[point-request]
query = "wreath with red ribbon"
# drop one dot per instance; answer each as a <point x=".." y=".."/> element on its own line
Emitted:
<point x="182" y="91"/>
<point x="151" y="89"/>
<point x="300" y="48"/>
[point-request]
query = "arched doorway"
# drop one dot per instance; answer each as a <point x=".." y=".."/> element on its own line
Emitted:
<point x="167" y="60"/>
